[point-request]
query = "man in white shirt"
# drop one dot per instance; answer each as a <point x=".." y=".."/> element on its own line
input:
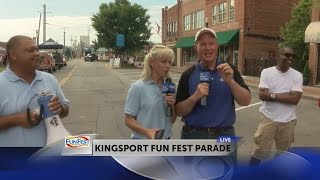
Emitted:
<point x="280" y="91"/>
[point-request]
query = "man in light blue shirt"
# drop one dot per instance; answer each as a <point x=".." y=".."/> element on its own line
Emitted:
<point x="20" y="86"/>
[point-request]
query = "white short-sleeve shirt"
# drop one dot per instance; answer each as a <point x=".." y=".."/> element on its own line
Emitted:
<point x="278" y="82"/>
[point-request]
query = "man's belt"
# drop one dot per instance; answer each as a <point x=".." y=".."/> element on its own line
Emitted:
<point x="209" y="130"/>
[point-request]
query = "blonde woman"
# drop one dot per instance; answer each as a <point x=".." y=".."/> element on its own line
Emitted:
<point x="145" y="108"/>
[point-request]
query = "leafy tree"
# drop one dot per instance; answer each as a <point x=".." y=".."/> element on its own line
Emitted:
<point x="68" y="52"/>
<point x="125" y="18"/>
<point x="293" y="32"/>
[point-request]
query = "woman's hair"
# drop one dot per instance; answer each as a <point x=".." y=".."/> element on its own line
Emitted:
<point x="156" y="53"/>
<point x="11" y="45"/>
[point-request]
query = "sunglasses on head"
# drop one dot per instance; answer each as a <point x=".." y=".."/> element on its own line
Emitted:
<point x="288" y="55"/>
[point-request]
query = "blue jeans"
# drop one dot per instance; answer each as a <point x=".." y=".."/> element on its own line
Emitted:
<point x="187" y="133"/>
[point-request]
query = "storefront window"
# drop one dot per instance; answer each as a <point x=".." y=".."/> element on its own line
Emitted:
<point x="189" y="55"/>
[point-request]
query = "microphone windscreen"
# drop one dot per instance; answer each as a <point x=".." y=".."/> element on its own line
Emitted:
<point x="169" y="80"/>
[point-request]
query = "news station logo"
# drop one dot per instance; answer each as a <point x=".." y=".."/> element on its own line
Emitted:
<point x="77" y="141"/>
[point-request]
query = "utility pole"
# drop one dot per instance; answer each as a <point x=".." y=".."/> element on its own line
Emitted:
<point x="44" y="21"/>
<point x="89" y="35"/>
<point x="38" y="31"/>
<point x="64" y="40"/>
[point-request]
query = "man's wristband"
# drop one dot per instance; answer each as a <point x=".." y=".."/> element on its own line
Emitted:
<point x="62" y="109"/>
<point x="32" y="123"/>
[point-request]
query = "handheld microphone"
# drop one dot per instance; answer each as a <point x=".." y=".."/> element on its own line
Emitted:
<point x="169" y="88"/>
<point x="55" y="129"/>
<point x="204" y="78"/>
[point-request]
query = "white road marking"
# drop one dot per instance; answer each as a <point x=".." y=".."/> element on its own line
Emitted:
<point x="244" y="107"/>
<point x="64" y="80"/>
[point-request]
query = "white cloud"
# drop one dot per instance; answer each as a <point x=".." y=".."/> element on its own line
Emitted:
<point x="75" y="27"/>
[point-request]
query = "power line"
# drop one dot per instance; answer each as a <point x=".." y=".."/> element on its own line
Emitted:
<point x="57" y="25"/>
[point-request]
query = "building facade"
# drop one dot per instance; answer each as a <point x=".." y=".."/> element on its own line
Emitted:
<point x="170" y="29"/>
<point x="248" y="30"/>
<point x="85" y="41"/>
<point x="313" y="37"/>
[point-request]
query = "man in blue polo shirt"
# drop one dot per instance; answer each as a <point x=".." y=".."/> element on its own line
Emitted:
<point x="224" y="85"/>
<point x="20" y="86"/>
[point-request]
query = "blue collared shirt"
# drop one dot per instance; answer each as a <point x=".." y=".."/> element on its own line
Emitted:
<point x="220" y="108"/>
<point x="145" y="101"/>
<point x="15" y="96"/>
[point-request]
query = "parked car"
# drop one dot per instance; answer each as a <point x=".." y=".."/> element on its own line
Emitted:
<point x="91" y="57"/>
<point x="46" y="62"/>
<point x="59" y="60"/>
<point x="64" y="61"/>
<point x="138" y="64"/>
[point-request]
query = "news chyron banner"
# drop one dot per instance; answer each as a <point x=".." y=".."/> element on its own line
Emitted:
<point x="162" y="159"/>
<point x="87" y="145"/>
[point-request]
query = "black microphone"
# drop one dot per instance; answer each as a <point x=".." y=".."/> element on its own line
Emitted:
<point x="169" y="89"/>
<point x="204" y="78"/>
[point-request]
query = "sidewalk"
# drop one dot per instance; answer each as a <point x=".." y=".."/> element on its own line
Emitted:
<point x="308" y="91"/>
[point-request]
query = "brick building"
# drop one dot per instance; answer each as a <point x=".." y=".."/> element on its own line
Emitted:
<point x="313" y="37"/>
<point x="247" y="30"/>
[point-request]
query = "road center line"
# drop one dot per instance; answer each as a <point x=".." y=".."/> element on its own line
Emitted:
<point x="244" y="107"/>
<point x="64" y="80"/>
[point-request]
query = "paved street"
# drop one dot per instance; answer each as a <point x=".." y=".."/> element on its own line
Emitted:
<point x="97" y="95"/>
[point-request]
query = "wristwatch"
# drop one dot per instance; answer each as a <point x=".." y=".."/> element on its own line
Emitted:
<point x="273" y="96"/>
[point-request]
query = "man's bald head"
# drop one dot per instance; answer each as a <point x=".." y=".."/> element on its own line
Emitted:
<point x="14" y="42"/>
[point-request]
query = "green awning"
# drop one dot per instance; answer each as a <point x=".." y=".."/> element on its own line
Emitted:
<point x="225" y="37"/>
<point x="185" y="42"/>
<point x="228" y="37"/>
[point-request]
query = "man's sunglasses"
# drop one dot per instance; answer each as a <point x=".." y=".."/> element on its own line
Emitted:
<point x="288" y="55"/>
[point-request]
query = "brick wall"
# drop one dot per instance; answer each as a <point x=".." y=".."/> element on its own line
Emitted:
<point x="238" y="23"/>
<point x="188" y="7"/>
<point x="314" y="53"/>
<point x="266" y="17"/>
<point x="259" y="22"/>
<point x="259" y="54"/>
<point x="168" y="16"/>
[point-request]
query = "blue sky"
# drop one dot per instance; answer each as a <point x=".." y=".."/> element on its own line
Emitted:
<point x="22" y="16"/>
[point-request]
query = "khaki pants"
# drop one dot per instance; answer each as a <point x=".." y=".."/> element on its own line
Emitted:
<point x="269" y="131"/>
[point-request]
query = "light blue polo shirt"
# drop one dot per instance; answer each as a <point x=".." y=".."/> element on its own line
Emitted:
<point x="15" y="95"/>
<point x="145" y="101"/>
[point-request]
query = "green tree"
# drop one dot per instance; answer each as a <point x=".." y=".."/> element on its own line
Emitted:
<point x="293" y="32"/>
<point x="68" y="52"/>
<point x="125" y="18"/>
